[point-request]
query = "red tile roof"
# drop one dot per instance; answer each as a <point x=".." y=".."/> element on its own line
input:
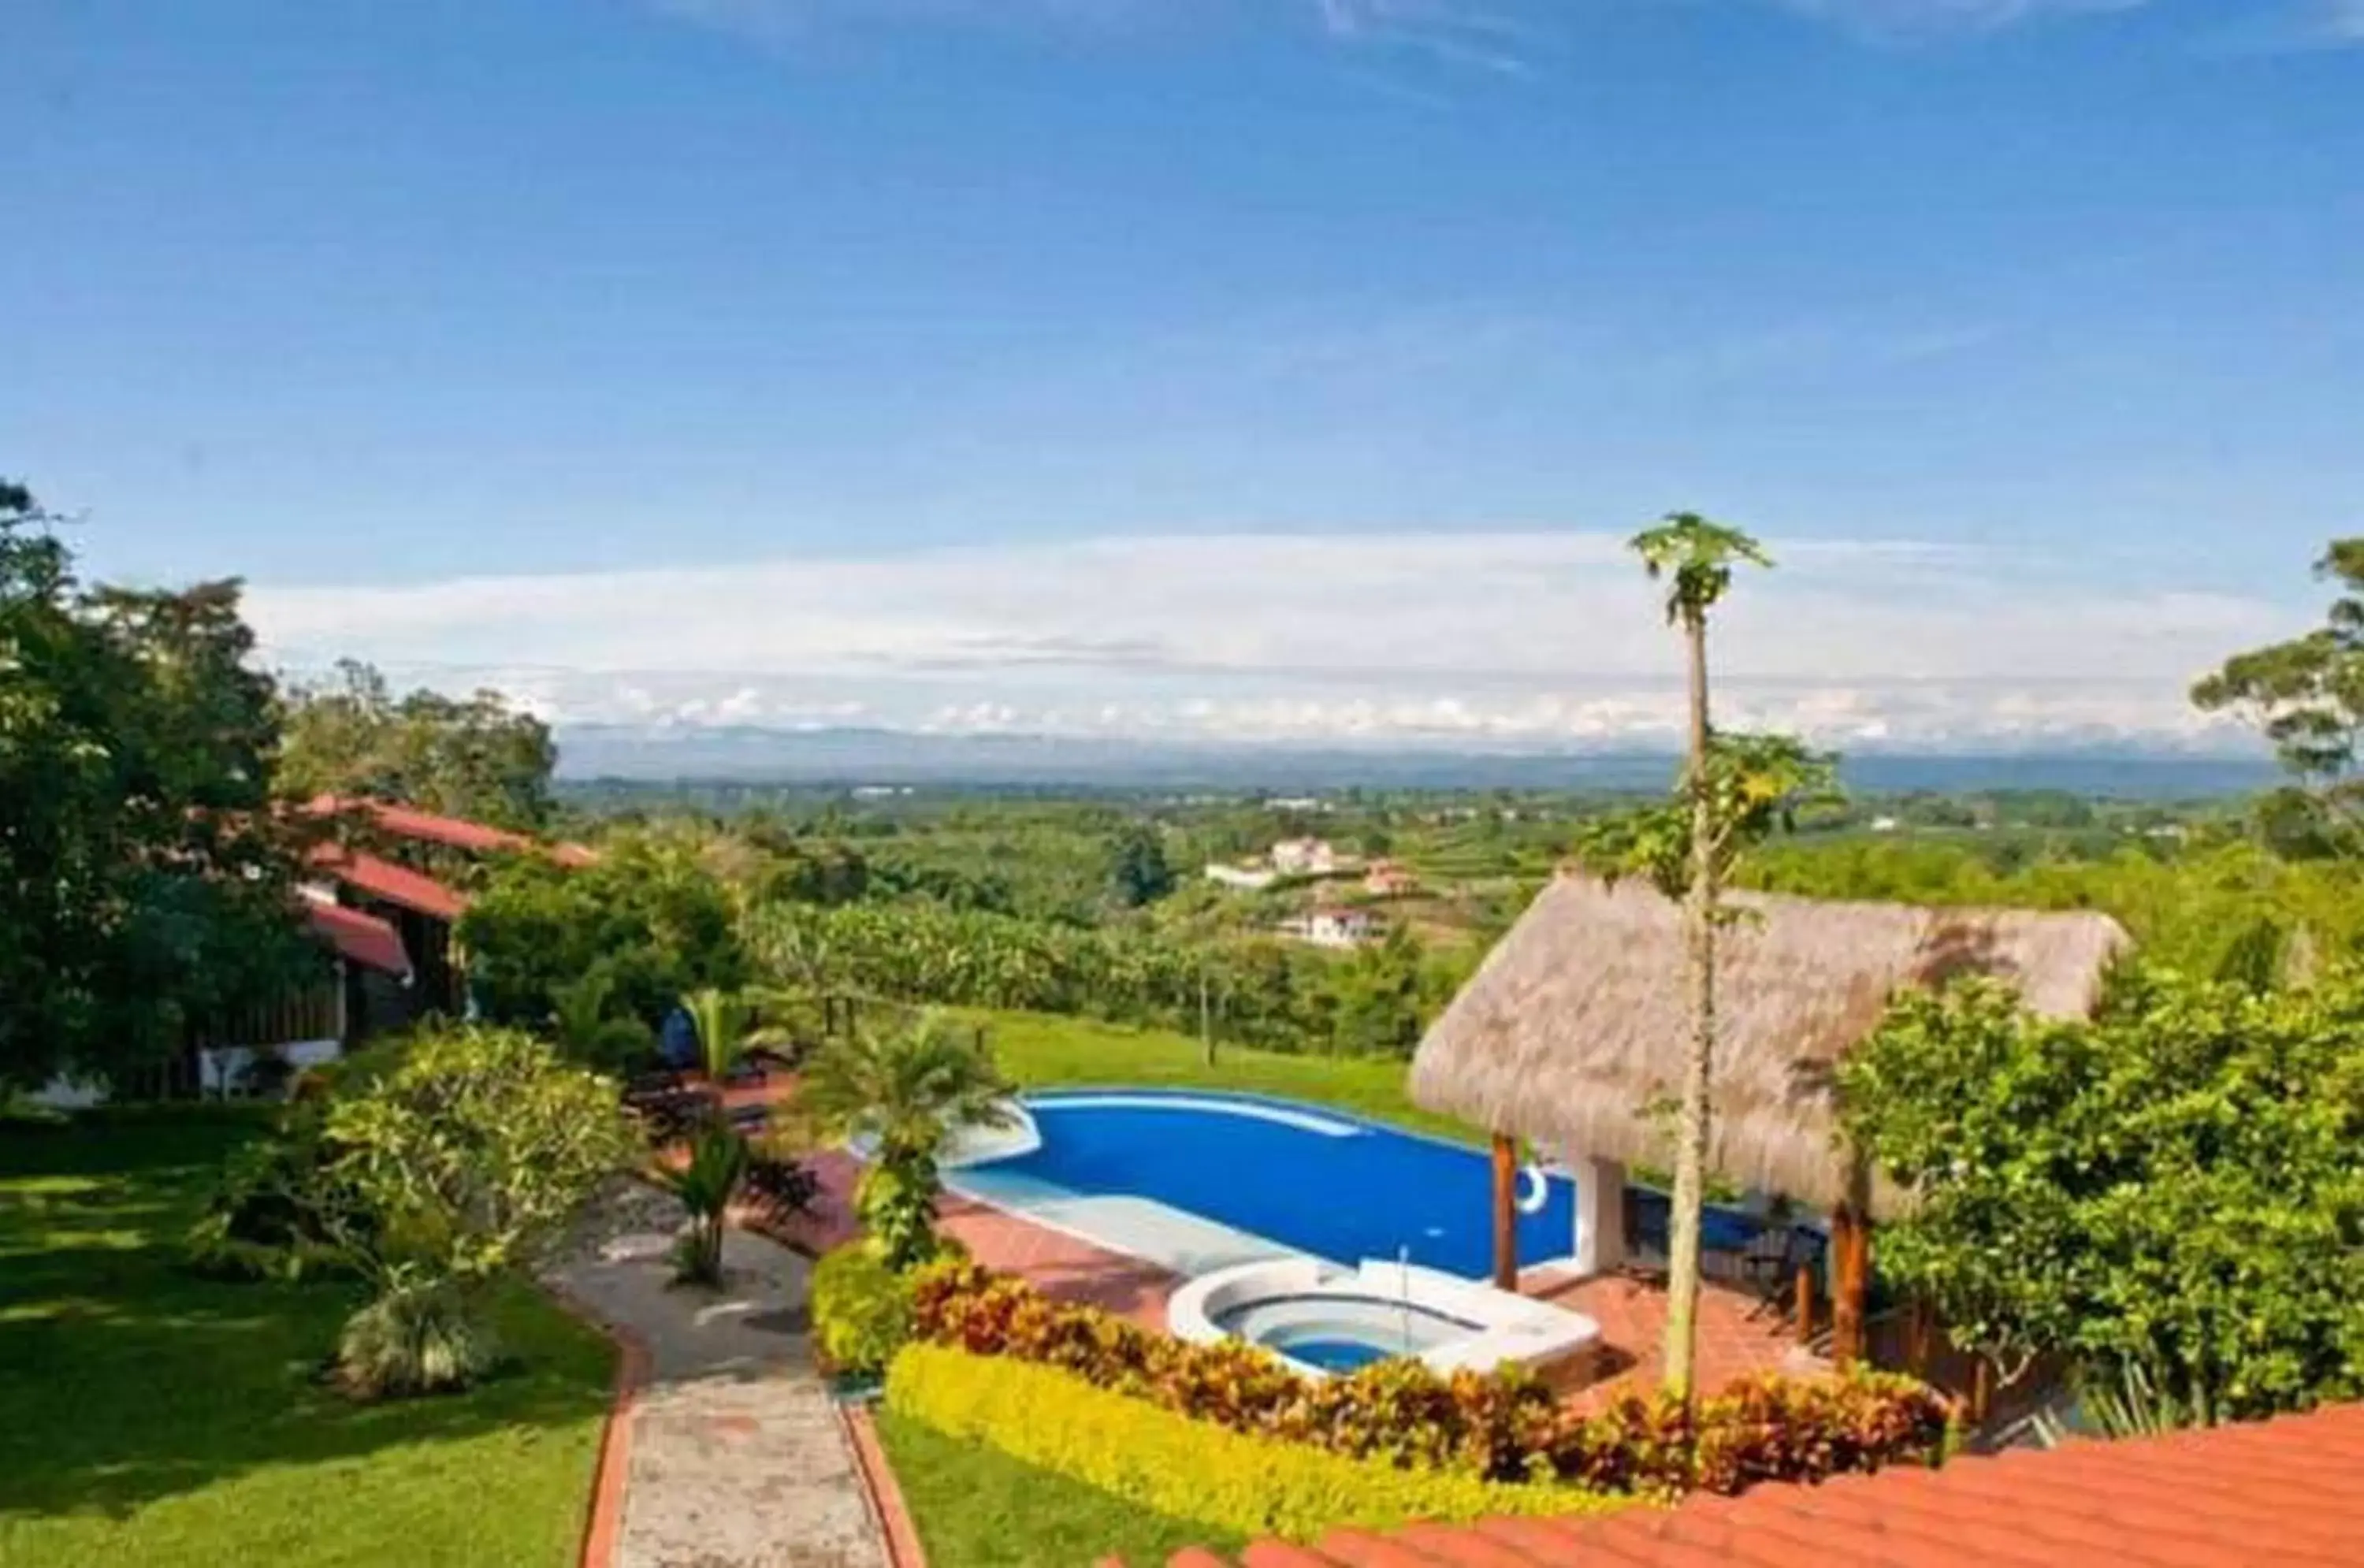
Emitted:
<point x="358" y="937"/>
<point x="427" y="826"/>
<point x="2288" y="1492"/>
<point x="394" y="883"/>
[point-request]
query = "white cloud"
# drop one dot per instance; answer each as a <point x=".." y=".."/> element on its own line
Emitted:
<point x="1502" y="638"/>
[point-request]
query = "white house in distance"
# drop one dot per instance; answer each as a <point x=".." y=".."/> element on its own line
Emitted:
<point x="1247" y="878"/>
<point x="1333" y="925"/>
<point x="1388" y="879"/>
<point x="1305" y="857"/>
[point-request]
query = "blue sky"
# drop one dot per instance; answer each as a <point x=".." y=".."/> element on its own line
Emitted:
<point x="1253" y="367"/>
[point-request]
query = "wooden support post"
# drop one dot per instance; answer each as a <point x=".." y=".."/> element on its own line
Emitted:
<point x="1805" y="1303"/>
<point x="1850" y="1282"/>
<point x="1981" y="1389"/>
<point x="1506" y="1213"/>
<point x="1921" y="1334"/>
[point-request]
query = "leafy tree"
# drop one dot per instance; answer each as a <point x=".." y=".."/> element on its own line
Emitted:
<point x="647" y="917"/>
<point x="1138" y="874"/>
<point x="144" y="886"/>
<point x="2172" y="1197"/>
<point x="475" y="757"/>
<point x="455" y="1169"/>
<point x="904" y="1092"/>
<point x="1380" y="1010"/>
<point x="2306" y="696"/>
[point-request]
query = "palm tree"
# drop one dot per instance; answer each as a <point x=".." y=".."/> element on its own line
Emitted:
<point x="730" y="1024"/>
<point x="705" y="1184"/>
<point x="903" y="1092"/>
<point x="586" y="1031"/>
<point x="1695" y="558"/>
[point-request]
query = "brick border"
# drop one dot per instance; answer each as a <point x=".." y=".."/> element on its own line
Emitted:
<point x="879" y="1484"/>
<point x="603" y="1517"/>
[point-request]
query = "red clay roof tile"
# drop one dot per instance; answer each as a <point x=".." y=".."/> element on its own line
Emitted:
<point x="2288" y="1492"/>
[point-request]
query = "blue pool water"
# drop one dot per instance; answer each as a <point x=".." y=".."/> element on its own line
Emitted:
<point x="1306" y="1178"/>
<point x="1338" y="1355"/>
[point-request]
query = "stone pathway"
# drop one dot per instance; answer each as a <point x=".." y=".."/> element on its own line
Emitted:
<point x="737" y="1456"/>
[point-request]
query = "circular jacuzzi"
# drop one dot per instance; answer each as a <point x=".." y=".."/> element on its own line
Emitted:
<point x="1335" y="1332"/>
<point x="1323" y="1318"/>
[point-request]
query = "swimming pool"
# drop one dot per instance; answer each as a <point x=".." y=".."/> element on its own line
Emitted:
<point x="1196" y="1181"/>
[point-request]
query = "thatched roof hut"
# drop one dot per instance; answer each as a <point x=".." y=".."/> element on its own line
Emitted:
<point x="1576" y="1024"/>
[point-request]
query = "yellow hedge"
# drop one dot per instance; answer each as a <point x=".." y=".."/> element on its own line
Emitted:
<point x="1186" y="1469"/>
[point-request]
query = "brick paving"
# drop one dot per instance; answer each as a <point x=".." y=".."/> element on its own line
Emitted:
<point x="736" y="1457"/>
<point x="1735" y="1336"/>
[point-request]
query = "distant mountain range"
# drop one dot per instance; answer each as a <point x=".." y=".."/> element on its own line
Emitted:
<point x="856" y="756"/>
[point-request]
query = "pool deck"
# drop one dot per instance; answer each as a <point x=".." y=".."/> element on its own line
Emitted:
<point x="1735" y="1339"/>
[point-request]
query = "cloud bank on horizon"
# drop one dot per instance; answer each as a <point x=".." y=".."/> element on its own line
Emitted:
<point x="1508" y="640"/>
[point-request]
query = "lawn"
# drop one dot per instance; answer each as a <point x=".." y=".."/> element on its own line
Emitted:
<point x="977" y="1507"/>
<point x="152" y="1419"/>
<point x="1041" y="1050"/>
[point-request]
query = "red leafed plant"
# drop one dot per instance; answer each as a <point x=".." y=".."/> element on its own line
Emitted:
<point x="1505" y="1426"/>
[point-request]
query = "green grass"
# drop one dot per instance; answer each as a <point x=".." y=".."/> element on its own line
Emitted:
<point x="152" y="1419"/>
<point x="977" y="1507"/>
<point x="1044" y="1051"/>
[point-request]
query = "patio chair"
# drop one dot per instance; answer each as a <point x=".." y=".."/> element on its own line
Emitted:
<point x="1647" y="1215"/>
<point x="1771" y="1262"/>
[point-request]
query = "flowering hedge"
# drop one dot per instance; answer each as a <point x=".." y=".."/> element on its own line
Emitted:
<point x="1503" y="1426"/>
<point x="1247" y="1483"/>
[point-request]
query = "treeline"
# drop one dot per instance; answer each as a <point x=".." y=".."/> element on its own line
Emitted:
<point x="2229" y="910"/>
<point x="1255" y="992"/>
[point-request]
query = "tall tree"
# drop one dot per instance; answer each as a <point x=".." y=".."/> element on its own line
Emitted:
<point x="2306" y="696"/>
<point x="1138" y="872"/>
<point x="475" y="757"/>
<point x="144" y="884"/>
<point x="1694" y="558"/>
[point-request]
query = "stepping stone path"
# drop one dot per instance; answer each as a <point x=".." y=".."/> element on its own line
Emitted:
<point x="737" y="1456"/>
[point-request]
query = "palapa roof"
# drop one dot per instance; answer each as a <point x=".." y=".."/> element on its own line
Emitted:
<point x="1577" y="1025"/>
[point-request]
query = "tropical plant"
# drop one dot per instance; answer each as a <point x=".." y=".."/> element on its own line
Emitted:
<point x="1726" y="792"/>
<point x="901" y="1093"/>
<point x="861" y="1309"/>
<point x="730" y="1024"/>
<point x="454" y="1168"/>
<point x="705" y="1184"/>
<point x="1503" y="1426"/>
<point x="2169" y="1199"/>
<point x="420" y="1335"/>
<point x="1274" y="994"/>
<point x="586" y="1029"/>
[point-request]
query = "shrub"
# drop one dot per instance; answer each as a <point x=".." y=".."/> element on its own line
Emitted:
<point x="1189" y="1469"/>
<point x="454" y="1166"/>
<point x="274" y="1214"/>
<point x="1503" y="1426"/>
<point x="425" y="1338"/>
<point x="861" y="1309"/>
<point x="2077" y="1183"/>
